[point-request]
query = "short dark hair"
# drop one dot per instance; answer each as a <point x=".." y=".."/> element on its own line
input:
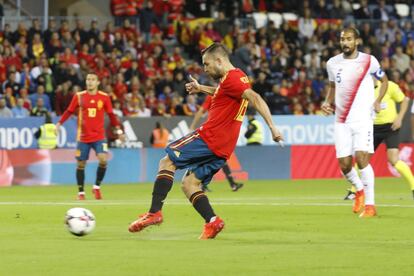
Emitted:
<point x="352" y="30"/>
<point x="216" y="48"/>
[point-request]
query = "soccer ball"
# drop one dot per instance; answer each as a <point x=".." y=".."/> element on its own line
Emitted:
<point x="79" y="221"/>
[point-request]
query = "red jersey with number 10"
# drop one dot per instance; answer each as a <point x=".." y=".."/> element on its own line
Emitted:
<point x="91" y="115"/>
<point x="226" y="113"/>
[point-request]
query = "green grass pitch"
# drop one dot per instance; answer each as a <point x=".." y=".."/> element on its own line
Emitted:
<point x="272" y="228"/>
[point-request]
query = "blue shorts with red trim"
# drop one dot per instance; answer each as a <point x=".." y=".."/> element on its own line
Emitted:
<point x="191" y="152"/>
<point x="83" y="149"/>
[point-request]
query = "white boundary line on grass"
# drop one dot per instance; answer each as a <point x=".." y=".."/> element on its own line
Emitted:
<point x="179" y="202"/>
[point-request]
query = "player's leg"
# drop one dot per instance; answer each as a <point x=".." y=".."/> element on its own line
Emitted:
<point x="191" y="187"/>
<point x="343" y="147"/>
<point x="162" y="186"/>
<point x="101" y="149"/>
<point x="82" y="155"/>
<point x="364" y="147"/>
<point x="403" y="169"/>
<point x="233" y="184"/>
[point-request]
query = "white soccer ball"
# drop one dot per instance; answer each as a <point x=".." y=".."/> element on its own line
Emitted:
<point x="79" y="221"/>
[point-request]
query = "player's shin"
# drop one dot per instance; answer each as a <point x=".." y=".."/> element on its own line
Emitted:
<point x="227" y="172"/>
<point x="354" y="179"/>
<point x="162" y="187"/>
<point x="202" y="205"/>
<point x="405" y="171"/>
<point x="80" y="178"/>
<point x="368" y="178"/>
<point x="100" y="173"/>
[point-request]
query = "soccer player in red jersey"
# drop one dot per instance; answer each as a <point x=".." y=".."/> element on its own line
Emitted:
<point x="204" y="151"/>
<point x="226" y="168"/>
<point x="92" y="105"/>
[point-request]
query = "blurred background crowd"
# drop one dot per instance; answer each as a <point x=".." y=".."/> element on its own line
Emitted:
<point x="144" y="56"/>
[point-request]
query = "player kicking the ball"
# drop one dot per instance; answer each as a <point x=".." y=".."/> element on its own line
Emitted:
<point x="204" y="151"/>
<point x="350" y="77"/>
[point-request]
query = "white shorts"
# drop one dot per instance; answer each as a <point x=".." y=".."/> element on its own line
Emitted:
<point x="351" y="137"/>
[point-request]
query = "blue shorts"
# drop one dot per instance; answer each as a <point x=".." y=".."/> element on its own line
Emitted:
<point x="82" y="149"/>
<point x="191" y="152"/>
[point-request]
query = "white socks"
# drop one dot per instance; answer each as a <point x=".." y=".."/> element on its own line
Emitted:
<point x="96" y="187"/>
<point x="354" y="179"/>
<point x="367" y="178"/>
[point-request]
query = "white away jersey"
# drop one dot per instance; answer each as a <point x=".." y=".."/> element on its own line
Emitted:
<point x="354" y="87"/>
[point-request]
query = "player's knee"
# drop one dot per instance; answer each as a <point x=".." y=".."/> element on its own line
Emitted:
<point x="190" y="184"/>
<point x="166" y="164"/>
<point x="81" y="164"/>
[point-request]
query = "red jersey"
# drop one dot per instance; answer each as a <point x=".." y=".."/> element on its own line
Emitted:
<point x="207" y="103"/>
<point x="226" y="113"/>
<point x="91" y="115"/>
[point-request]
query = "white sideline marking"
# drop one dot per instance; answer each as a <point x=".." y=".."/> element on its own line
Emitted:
<point x="184" y="202"/>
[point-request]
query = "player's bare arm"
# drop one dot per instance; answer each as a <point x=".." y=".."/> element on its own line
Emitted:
<point x="260" y="105"/>
<point x="382" y="91"/>
<point x="326" y="107"/>
<point x="403" y="109"/>
<point x="194" y="86"/>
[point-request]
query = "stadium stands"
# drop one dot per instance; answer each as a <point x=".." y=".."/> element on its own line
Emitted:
<point x="145" y="54"/>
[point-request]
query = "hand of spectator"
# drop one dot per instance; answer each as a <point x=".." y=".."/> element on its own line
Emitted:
<point x="327" y="109"/>
<point x="193" y="86"/>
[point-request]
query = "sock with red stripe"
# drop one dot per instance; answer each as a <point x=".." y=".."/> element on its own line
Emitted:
<point x="202" y="205"/>
<point x="162" y="187"/>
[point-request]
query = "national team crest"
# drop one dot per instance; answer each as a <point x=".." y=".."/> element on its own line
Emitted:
<point x="100" y="104"/>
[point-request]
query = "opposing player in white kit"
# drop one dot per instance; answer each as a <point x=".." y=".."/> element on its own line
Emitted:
<point x="350" y="76"/>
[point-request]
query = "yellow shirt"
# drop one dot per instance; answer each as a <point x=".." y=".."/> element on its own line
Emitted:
<point x="388" y="111"/>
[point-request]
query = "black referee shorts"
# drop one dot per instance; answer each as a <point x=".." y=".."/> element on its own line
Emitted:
<point x="384" y="133"/>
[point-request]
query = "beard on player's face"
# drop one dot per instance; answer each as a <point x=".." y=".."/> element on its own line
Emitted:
<point x="348" y="49"/>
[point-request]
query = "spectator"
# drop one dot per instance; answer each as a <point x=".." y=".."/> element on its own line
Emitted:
<point x="382" y="12"/>
<point x="11" y="83"/>
<point x="5" y="112"/>
<point x="401" y="59"/>
<point x="306" y="25"/>
<point x="278" y="104"/>
<point x="40" y="93"/>
<point x="19" y="111"/>
<point x="35" y="29"/>
<point x="27" y="103"/>
<point x="63" y="97"/>
<point x="190" y="107"/>
<point x="363" y="11"/>
<point x="39" y="109"/>
<point x="146" y="19"/>
<point x="337" y="11"/>
<point x="159" y="136"/>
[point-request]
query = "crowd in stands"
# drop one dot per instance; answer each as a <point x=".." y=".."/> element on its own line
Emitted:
<point x="144" y="59"/>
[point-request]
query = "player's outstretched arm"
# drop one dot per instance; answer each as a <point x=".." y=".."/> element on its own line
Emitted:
<point x="326" y="107"/>
<point x="260" y="105"/>
<point x="194" y="86"/>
